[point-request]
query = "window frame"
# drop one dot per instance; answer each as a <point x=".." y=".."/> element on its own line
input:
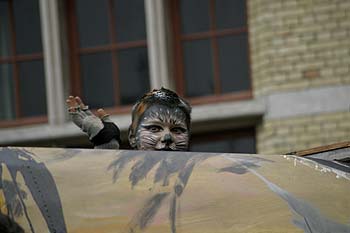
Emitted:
<point x="213" y="35"/>
<point x="113" y="47"/>
<point x="14" y="59"/>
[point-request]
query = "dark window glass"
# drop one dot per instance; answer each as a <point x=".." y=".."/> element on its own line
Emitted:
<point x="32" y="88"/>
<point x="7" y="100"/>
<point x="233" y="52"/>
<point x="198" y="68"/>
<point x="221" y="65"/>
<point x="92" y="17"/>
<point x="27" y="26"/>
<point x="230" y="13"/>
<point x="130" y="20"/>
<point x="5" y="42"/>
<point x="228" y="144"/>
<point x="133" y="73"/>
<point x="194" y="16"/>
<point x="97" y="82"/>
<point x="110" y="22"/>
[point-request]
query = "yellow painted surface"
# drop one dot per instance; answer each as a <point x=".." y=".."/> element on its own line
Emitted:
<point x="212" y="201"/>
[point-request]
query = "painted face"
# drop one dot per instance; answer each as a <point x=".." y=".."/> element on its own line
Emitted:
<point x="162" y="128"/>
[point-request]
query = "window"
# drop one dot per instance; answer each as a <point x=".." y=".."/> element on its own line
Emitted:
<point x="211" y="49"/>
<point x="22" y="79"/>
<point x="109" y="61"/>
<point x="233" y="141"/>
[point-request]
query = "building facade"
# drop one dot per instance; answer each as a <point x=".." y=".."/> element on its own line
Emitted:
<point x="262" y="76"/>
<point x="300" y="64"/>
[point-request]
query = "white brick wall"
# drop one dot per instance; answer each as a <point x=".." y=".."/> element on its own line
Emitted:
<point x="298" y="45"/>
<point x="290" y="39"/>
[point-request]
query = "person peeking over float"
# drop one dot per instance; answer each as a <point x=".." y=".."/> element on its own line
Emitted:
<point x="161" y="120"/>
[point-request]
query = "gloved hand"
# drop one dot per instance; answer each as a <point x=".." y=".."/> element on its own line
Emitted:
<point x="102" y="132"/>
<point x="83" y="117"/>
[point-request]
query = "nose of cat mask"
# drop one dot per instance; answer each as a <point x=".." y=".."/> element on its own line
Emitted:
<point x="167" y="139"/>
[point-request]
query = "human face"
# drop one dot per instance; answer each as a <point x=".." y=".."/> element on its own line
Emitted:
<point x="162" y="128"/>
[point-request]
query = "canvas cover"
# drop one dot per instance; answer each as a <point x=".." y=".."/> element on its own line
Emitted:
<point x="108" y="191"/>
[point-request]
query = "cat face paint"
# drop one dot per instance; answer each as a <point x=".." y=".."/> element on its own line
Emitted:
<point x="162" y="128"/>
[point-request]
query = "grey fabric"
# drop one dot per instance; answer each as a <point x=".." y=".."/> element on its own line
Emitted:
<point x="87" y="122"/>
<point x="92" y="125"/>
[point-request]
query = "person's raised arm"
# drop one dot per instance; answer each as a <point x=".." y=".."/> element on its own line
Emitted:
<point x="102" y="132"/>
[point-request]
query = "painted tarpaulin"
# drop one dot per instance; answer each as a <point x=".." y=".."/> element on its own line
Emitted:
<point x="108" y="191"/>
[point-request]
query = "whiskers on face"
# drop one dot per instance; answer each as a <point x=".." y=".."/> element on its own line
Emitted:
<point x="179" y="147"/>
<point x="153" y="141"/>
<point x="145" y="140"/>
<point x="162" y="128"/>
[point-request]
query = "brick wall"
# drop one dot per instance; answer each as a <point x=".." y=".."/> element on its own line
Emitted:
<point x="297" y="45"/>
<point x="298" y="133"/>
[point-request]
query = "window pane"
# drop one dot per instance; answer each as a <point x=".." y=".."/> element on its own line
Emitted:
<point x="133" y="74"/>
<point x="230" y="13"/>
<point x="194" y="16"/>
<point x="27" y="26"/>
<point x="92" y="17"/>
<point x="130" y="20"/>
<point x="97" y="80"/>
<point x="5" y="42"/>
<point x="32" y="88"/>
<point x="198" y="68"/>
<point x="233" y="59"/>
<point x="7" y="99"/>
